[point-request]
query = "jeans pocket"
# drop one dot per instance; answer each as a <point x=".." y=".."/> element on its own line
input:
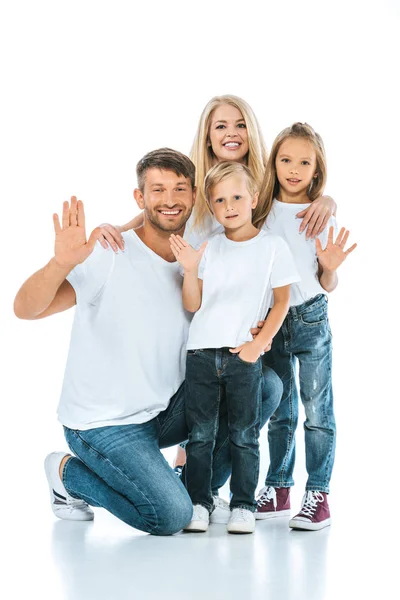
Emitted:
<point x="246" y="362"/>
<point x="317" y="316"/>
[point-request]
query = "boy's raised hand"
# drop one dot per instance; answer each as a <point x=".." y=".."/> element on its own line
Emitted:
<point x="71" y="247"/>
<point x="334" y="254"/>
<point x="187" y="257"/>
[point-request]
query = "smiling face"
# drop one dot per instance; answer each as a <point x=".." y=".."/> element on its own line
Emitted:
<point x="167" y="199"/>
<point x="232" y="203"/>
<point x="228" y="134"/>
<point x="296" y="164"/>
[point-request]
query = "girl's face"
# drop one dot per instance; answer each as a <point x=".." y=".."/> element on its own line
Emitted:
<point x="228" y="134"/>
<point x="295" y="163"/>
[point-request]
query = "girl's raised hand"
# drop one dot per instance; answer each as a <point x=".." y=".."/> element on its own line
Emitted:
<point x="334" y="254"/>
<point x="110" y="235"/>
<point x="187" y="257"/>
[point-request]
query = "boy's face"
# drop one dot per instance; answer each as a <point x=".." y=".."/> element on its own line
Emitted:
<point x="232" y="203"/>
<point x="167" y="199"/>
<point x="295" y="163"/>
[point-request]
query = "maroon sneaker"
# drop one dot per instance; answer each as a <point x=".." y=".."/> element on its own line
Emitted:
<point x="314" y="513"/>
<point x="273" y="502"/>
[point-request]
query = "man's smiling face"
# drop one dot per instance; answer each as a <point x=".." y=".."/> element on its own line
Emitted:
<point x="167" y="199"/>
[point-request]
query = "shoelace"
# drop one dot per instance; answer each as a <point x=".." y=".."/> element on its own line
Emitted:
<point x="221" y="503"/>
<point x="267" y="494"/>
<point x="310" y="503"/>
<point x="242" y="514"/>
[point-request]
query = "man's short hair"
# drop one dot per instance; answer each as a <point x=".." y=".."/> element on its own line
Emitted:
<point x="166" y="160"/>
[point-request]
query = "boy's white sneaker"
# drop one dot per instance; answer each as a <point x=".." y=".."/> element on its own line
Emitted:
<point x="200" y="519"/>
<point x="63" y="504"/>
<point x="221" y="512"/>
<point x="241" y="521"/>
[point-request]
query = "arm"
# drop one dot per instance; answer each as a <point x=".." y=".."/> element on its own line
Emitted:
<point x="251" y="351"/>
<point x="47" y="291"/>
<point x="189" y="259"/>
<point x="316" y="216"/>
<point x="330" y="259"/>
<point x="110" y="235"/>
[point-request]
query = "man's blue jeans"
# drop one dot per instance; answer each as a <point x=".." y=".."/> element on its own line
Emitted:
<point x="209" y="372"/>
<point x="121" y="468"/>
<point x="305" y="337"/>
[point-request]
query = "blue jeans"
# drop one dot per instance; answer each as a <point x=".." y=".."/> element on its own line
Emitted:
<point x="120" y="468"/>
<point x="304" y="338"/>
<point x="208" y="372"/>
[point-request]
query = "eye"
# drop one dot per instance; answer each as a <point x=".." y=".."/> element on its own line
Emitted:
<point x="242" y="125"/>
<point x="305" y="162"/>
<point x="181" y="189"/>
<point x="220" y="126"/>
<point x="156" y="189"/>
<point x="284" y="160"/>
<point x="237" y="197"/>
<point x="218" y="200"/>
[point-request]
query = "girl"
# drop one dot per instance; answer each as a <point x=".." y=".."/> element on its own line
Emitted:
<point x="295" y="176"/>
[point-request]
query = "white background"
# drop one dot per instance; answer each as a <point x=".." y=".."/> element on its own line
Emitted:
<point x="87" y="88"/>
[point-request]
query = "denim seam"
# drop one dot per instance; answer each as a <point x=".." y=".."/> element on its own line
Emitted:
<point x="114" y="467"/>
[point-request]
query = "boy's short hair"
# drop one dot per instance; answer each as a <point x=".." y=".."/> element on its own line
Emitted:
<point x="166" y="160"/>
<point x="222" y="171"/>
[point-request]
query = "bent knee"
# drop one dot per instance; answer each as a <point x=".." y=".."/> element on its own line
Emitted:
<point x="176" y="514"/>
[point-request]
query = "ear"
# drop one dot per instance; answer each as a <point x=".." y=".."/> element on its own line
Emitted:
<point x="316" y="176"/>
<point x="255" y="200"/>
<point x="137" y="194"/>
<point x="194" y="193"/>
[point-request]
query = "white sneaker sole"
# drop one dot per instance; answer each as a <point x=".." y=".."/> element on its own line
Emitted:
<point x="240" y="528"/>
<point x="196" y="527"/>
<point x="308" y="525"/>
<point x="272" y="515"/>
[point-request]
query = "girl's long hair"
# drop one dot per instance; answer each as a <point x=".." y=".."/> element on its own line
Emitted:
<point x="204" y="158"/>
<point x="270" y="186"/>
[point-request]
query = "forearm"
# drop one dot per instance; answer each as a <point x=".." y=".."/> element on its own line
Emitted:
<point x="328" y="280"/>
<point x="37" y="293"/>
<point x="191" y="292"/>
<point x="273" y="323"/>
<point x="133" y="224"/>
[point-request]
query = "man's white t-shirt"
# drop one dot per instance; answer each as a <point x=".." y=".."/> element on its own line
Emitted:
<point x="238" y="279"/>
<point x="128" y="342"/>
<point x="282" y="221"/>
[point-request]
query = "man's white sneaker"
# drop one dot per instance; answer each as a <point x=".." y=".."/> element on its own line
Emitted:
<point x="241" y="521"/>
<point x="221" y="512"/>
<point x="200" y="519"/>
<point x="63" y="504"/>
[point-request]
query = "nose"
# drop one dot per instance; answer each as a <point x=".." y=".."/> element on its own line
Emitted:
<point x="294" y="170"/>
<point x="169" y="199"/>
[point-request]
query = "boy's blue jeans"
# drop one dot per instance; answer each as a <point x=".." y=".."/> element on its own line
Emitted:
<point x="121" y="468"/>
<point x="305" y="336"/>
<point x="209" y="373"/>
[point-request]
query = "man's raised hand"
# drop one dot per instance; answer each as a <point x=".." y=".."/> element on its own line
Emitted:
<point x="71" y="247"/>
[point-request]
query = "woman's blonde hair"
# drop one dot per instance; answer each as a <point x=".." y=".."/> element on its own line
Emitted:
<point x="224" y="170"/>
<point x="270" y="186"/>
<point x="204" y="158"/>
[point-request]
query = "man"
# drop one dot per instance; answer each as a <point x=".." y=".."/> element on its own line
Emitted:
<point x="122" y="397"/>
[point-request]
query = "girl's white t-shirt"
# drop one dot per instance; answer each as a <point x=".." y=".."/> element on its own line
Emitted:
<point x="282" y="221"/>
<point x="238" y="279"/>
<point x="128" y="341"/>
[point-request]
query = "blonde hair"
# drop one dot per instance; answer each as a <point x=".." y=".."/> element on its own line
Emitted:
<point x="224" y="170"/>
<point x="270" y="186"/>
<point x="204" y="158"/>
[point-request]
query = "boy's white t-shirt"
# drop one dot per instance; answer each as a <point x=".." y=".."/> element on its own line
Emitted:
<point x="282" y="221"/>
<point x="128" y="341"/>
<point x="238" y="279"/>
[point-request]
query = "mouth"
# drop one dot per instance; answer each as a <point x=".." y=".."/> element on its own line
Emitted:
<point x="293" y="181"/>
<point x="232" y="145"/>
<point x="172" y="214"/>
<point x="231" y="216"/>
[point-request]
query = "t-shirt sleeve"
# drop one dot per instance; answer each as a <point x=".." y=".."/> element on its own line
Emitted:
<point x="284" y="269"/>
<point x="203" y="263"/>
<point x="88" y="279"/>
<point x="323" y="236"/>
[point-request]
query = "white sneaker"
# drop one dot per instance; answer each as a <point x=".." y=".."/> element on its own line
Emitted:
<point x="200" y="519"/>
<point x="241" y="521"/>
<point x="63" y="504"/>
<point x="221" y="512"/>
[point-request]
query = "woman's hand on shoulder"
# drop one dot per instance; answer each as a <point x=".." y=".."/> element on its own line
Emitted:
<point x="315" y="217"/>
<point x="110" y="235"/>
